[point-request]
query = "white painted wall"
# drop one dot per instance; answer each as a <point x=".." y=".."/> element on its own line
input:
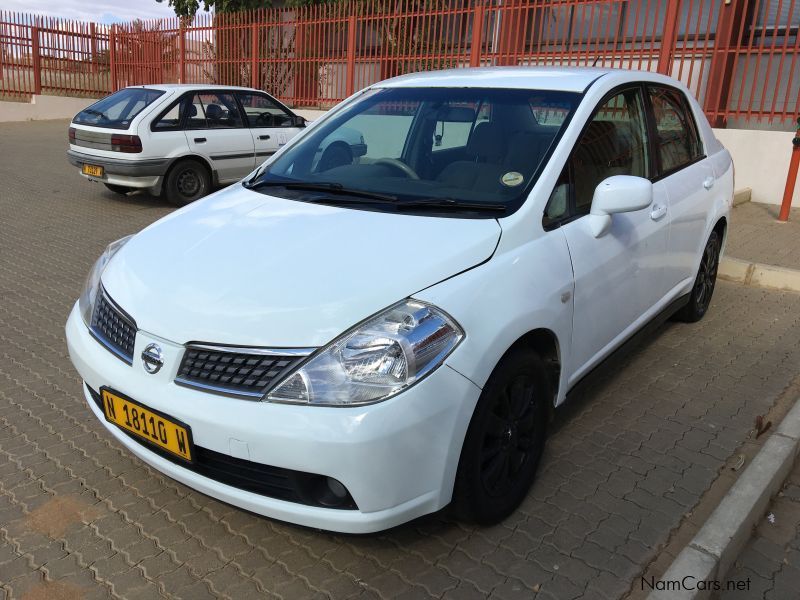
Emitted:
<point x="41" y="108"/>
<point x="761" y="159"/>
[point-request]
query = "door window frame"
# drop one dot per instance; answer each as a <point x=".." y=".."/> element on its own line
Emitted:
<point x="660" y="174"/>
<point x="572" y="214"/>
<point x="189" y="94"/>
<point x="278" y="104"/>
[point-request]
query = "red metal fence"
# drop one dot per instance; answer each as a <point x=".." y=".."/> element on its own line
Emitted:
<point x="741" y="58"/>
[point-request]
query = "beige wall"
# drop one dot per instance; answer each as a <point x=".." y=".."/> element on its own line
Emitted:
<point x="43" y="107"/>
<point x="761" y="159"/>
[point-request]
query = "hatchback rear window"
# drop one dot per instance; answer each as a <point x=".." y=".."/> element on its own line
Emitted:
<point x="119" y="109"/>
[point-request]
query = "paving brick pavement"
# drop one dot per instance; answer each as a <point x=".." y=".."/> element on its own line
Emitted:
<point x="770" y="562"/>
<point x="80" y="517"/>
<point x="756" y="235"/>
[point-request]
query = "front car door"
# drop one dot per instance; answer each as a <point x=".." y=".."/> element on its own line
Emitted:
<point x="618" y="276"/>
<point x="215" y="130"/>
<point x="687" y="176"/>
<point x="271" y="124"/>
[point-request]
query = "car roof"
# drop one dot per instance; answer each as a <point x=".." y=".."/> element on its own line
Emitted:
<point x="192" y="86"/>
<point x="567" y="79"/>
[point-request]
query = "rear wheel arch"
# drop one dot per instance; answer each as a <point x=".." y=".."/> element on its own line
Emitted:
<point x="211" y="172"/>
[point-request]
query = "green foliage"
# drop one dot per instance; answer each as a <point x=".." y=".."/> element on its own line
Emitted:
<point x="188" y="8"/>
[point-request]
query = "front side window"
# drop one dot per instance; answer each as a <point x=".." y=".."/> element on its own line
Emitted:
<point x="677" y="142"/>
<point x="263" y="111"/>
<point x="118" y="110"/>
<point x="431" y="144"/>
<point x="614" y="142"/>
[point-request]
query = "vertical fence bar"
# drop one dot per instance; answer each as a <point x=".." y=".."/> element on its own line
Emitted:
<point x="254" y="55"/>
<point x="351" y="55"/>
<point x="668" y="37"/>
<point x="37" y="61"/>
<point x="112" y="59"/>
<point x="734" y="18"/>
<point x="477" y="35"/>
<point x="181" y="53"/>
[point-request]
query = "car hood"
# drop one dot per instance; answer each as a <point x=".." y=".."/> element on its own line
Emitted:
<point x="244" y="268"/>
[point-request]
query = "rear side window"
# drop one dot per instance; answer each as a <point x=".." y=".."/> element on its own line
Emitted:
<point x="677" y="141"/>
<point x="119" y="109"/>
<point x="221" y="110"/>
<point x="171" y="119"/>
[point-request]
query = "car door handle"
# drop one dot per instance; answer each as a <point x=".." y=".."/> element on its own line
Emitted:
<point x="658" y="212"/>
<point x="708" y="183"/>
<point x="263" y="137"/>
<point x="200" y="140"/>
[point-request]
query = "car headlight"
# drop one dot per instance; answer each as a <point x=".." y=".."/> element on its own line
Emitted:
<point x="90" y="289"/>
<point x="375" y="360"/>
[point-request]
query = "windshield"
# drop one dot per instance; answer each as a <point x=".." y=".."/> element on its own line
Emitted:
<point x="434" y="147"/>
<point x="117" y="110"/>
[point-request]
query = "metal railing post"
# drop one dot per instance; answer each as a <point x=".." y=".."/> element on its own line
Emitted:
<point x="477" y="35"/>
<point x="669" y="37"/>
<point x="791" y="177"/>
<point x="37" y="61"/>
<point x="112" y="59"/>
<point x="254" y="55"/>
<point x="181" y="53"/>
<point x="351" y="56"/>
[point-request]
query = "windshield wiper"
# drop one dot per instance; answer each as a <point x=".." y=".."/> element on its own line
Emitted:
<point x="451" y="203"/>
<point x="99" y="113"/>
<point x="330" y="187"/>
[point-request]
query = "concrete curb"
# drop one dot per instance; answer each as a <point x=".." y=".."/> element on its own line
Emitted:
<point x="759" y="275"/>
<point x="713" y="550"/>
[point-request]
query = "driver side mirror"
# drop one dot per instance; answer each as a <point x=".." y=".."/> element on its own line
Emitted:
<point x="618" y="194"/>
<point x="298" y="121"/>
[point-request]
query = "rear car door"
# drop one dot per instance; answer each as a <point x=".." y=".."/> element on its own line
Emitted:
<point x="271" y="124"/>
<point x="687" y="175"/>
<point x="216" y="131"/>
<point x="618" y="276"/>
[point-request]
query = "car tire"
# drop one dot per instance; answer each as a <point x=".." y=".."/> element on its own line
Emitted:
<point x="504" y="441"/>
<point x="704" y="283"/>
<point x="188" y="180"/>
<point x="118" y="189"/>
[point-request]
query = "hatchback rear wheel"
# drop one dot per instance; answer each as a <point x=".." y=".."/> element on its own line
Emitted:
<point x="505" y="440"/>
<point x="187" y="181"/>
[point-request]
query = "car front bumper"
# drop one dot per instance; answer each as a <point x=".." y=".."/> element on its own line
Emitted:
<point x="397" y="458"/>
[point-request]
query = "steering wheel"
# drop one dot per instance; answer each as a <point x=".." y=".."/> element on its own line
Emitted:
<point x="264" y="118"/>
<point x="399" y="165"/>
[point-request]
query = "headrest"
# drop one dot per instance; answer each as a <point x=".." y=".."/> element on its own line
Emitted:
<point x="214" y="111"/>
<point x="192" y="110"/>
<point x="486" y="142"/>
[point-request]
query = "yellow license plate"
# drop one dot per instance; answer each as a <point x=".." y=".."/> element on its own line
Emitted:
<point x="148" y="424"/>
<point x="93" y="170"/>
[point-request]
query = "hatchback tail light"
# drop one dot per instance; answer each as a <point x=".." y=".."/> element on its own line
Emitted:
<point x="71" y="135"/>
<point x="126" y="143"/>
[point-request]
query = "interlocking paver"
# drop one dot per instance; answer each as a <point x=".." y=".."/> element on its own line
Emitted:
<point x="624" y="463"/>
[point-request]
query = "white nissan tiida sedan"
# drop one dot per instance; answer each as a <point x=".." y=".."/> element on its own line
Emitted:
<point x="349" y="342"/>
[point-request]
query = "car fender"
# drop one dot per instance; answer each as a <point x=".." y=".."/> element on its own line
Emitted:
<point x="520" y="289"/>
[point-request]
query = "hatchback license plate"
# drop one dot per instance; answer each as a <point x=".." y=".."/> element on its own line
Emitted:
<point x="148" y="424"/>
<point x="93" y="170"/>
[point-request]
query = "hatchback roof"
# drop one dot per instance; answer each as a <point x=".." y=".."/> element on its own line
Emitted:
<point x="568" y="79"/>
<point x="190" y="86"/>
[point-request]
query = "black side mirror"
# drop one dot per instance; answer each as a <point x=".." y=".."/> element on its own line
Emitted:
<point x="299" y="121"/>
